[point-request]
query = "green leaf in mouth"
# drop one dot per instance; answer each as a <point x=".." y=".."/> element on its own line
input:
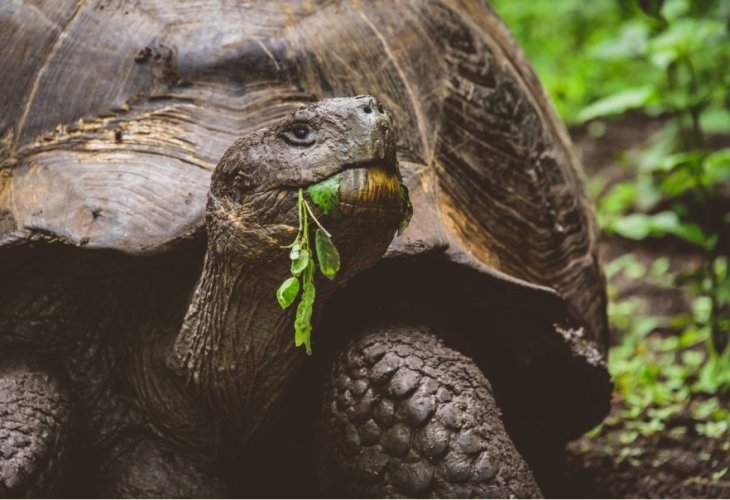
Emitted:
<point x="302" y="262"/>
<point x="327" y="254"/>
<point x="325" y="195"/>
<point x="287" y="292"/>
<point x="303" y="318"/>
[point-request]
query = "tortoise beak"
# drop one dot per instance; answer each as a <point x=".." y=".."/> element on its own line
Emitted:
<point x="375" y="185"/>
<point x="368" y="189"/>
<point x="373" y="188"/>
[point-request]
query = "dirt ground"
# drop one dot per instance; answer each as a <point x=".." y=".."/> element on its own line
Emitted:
<point x="689" y="466"/>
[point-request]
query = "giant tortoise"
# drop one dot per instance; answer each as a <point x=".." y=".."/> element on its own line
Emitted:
<point x="143" y="350"/>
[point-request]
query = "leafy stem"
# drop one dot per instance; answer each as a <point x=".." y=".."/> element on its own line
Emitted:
<point x="309" y="209"/>
<point x="302" y="267"/>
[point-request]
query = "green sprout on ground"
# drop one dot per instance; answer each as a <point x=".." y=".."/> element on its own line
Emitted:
<point x="302" y="267"/>
<point x="667" y="385"/>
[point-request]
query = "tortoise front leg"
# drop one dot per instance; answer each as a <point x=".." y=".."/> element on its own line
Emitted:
<point x="406" y="416"/>
<point x="35" y="427"/>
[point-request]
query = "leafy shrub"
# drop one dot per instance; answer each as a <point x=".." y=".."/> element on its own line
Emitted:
<point x="668" y="59"/>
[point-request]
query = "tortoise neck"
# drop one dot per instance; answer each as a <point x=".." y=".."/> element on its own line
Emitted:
<point x="235" y="348"/>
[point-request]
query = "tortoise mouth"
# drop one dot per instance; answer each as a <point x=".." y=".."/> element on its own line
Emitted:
<point x="374" y="188"/>
<point x="389" y="163"/>
<point x="366" y="188"/>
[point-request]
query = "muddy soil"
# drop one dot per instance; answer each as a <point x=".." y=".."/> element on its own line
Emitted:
<point x="665" y="465"/>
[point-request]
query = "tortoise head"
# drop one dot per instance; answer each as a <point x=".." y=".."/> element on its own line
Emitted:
<point x="346" y="147"/>
<point x="234" y="327"/>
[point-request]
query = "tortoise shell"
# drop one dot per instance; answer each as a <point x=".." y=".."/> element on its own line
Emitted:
<point x="114" y="114"/>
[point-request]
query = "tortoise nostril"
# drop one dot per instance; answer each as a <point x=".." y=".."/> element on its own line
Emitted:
<point x="367" y="109"/>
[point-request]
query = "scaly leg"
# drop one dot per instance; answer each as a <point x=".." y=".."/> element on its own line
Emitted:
<point x="406" y="416"/>
<point x="35" y="425"/>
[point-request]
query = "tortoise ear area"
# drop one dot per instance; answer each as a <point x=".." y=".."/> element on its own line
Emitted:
<point x="231" y="178"/>
<point x="232" y="186"/>
<point x="242" y="181"/>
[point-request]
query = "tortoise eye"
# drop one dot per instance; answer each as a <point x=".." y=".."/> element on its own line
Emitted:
<point x="299" y="134"/>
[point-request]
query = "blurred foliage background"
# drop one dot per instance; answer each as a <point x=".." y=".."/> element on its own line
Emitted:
<point x="663" y="66"/>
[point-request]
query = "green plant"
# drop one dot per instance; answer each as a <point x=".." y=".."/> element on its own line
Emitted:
<point x="302" y="265"/>
<point x="660" y="377"/>
<point x="679" y="179"/>
<point x="325" y="196"/>
<point x="718" y="475"/>
<point x="553" y="33"/>
<point x="669" y="59"/>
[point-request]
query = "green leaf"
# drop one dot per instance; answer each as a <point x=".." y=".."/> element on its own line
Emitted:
<point x="674" y="9"/>
<point x="634" y="226"/>
<point x="287" y="292"/>
<point x="683" y="37"/>
<point x="300" y="263"/>
<point x="669" y="223"/>
<point x="325" y="195"/>
<point x="627" y="263"/>
<point x="296" y="249"/>
<point x="640" y="226"/>
<point x="327" y="254"/>
<point x="618" y="103"/>
<point x="715" y="120"/>
<point x="716" y="168"/>
<point x="407" y="209"/>
<point x="717" y="475"/>
<point x="702" y="309"/>
<point x="631" y="42"/>
<point x="619" y="199"/>
<point x="303" y="318"/>
<point x="677" y="183"/>
<point x="662" y="58"/>
<point x="672" y="161"/>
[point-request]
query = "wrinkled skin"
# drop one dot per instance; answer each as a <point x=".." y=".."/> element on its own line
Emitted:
<point x="202" y="387"/>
